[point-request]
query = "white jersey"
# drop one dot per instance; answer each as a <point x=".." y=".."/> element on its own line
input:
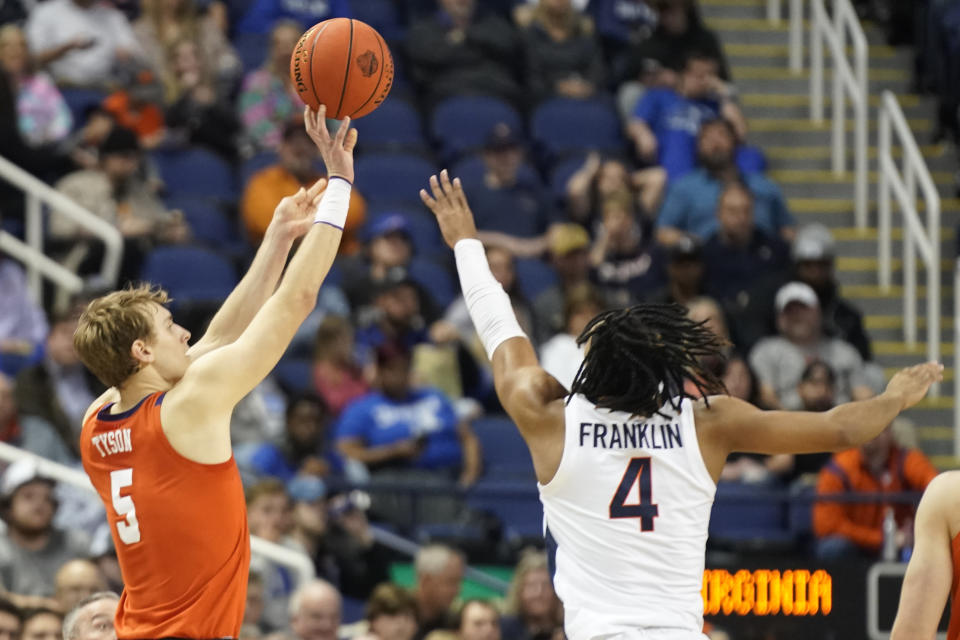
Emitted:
<point x="626" y="515"/>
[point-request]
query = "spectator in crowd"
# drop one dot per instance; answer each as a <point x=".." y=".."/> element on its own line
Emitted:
<point x="200" y="109"/>
<point x="622" y="25"/>
<point x="479" y="620"/>
<point x="269" y="513"/>
<point x="75" y="581"/>
<point x="458" y="319"/>
<point x="740" y="253"/>
<point x="23" y="325"/>
<point x="400" y="432"/>
<point x="439" y="577"/>
<point x="337" y="377"/>
<point x="253" y="612"/>
<point x="137" y="103"/>
<point x="464" y="50"/>
<point x="10" y="620"/>
<point x="679" y="32"/>
<point x="813" y="255"/>
<point x="685" y="273"/>
<point x="80" y="41"/>
<point x="568" y="251"/>
<point x="42" y="114"/>
<point x="264" y="13"/>
<point x="391" y="613"/>
<point x="388" y="251"/>
<point x="532" y="607"/>
<point x="164" y="23"/>
<point x="627" y="264"/>
<point x="41" y="624"/>
<point x="115" y="192"/>
<point x="560" y="356"/>
<point x="92" y="619"/>
<point x="268" y="99"/>
<point x="779" y="361"/>
<point x="396" y="316"/>
<point x="297" y="168"/>
<point x="850" y="529"/>
<point x="600" y="178"/>
<point x="9" y="419"/>
<point x="315" y="610"/>
<point x="302" y="449"/>
<point x="740" y="381"/>
<point x="506" y="201"/>
<point x="666" y="121"/>
<point x="56" y="393"/>
<point x="563" y="55"/>
<point x="33" y="549"/>
<point x="691" y="203"/>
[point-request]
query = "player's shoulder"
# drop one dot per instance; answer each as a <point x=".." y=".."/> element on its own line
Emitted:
<point x="944" y="486"/>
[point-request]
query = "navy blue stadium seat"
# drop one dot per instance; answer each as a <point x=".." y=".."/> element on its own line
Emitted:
<point x="252" y="49"/>
<point x="744" y="514"/>
<point x="387" y="179"/>
<point x="462" y="123"/>
<point x="563" y="125"/>
<point x="435" y="279"/>
<point x="382" y="15"/>
<point x="395" y="125"/>
<point x="80" y="101"/>
<point x="562" y="172"/>
<point x="515" y="504"/>
<point x="471" y="169"/>
<point x="209" y="223"/>
<point x="294" y="375"/>
<point x="505" y="453"/>
<point x="800" y="514"/>
<point x="352" y="609"/>
<point x="534" y="276"/>
<point x="256" y="164"/>
<point x="198" y="172"/>
<point x="190" y="273"/>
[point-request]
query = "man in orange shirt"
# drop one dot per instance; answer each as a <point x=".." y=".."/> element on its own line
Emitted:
<point x="879" y="466"/>
<point x="157" y="445"/>
<point x="297" y="167"/>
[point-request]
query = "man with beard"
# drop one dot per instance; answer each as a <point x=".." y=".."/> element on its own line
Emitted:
<point x="691" y="203"/>
<point x="33" y="549"/>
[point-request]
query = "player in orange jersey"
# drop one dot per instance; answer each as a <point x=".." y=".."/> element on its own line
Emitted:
<point x="934" y="570"/>
<point x="157" y="445"/>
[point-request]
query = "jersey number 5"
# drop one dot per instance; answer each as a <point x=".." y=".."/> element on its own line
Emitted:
<point x="128" y="529"/>
<point x="638" y="469"/>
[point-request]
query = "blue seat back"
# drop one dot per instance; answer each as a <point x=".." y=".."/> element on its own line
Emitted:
<point x="394" y="125"/>
<point x="534" y="276"/>
<point x="563" y="125"/>
<point x="190" y="273"/>
<point x="387" y="179"/>
<point x="461" y="124"/>
<point x="196" y="172"/>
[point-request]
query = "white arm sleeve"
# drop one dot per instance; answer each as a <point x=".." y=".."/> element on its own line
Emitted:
<point x="488" y="303"/>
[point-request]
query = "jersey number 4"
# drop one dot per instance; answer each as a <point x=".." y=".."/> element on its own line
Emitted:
<point x="128" y="529"/>
<point x="638" y="471"/>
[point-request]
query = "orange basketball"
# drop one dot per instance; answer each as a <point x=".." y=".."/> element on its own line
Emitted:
<point x="344" y="64"/>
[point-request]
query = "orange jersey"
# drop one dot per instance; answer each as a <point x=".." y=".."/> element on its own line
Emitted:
<point x="953" y="631"/>
<point x="179" y="527"/>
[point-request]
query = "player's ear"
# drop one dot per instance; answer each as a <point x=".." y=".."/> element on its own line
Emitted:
<point x="141" y="351"/>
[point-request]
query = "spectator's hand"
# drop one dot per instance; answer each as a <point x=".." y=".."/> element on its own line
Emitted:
<point x="456" y="35"/>
<point x="134" y="226"/>
<point x="315" y="466"/>
<point x="574" y="88"/>
<point x="443" y="332"/>
<point x="337" y="151"/>
<point x="466" y="480"/>
<point x="204" y="94"/>
<point x="449" y="204"/>
<point x="293" y="217"/>
<point x="81" y="42"/>
<point x="411" y="448"/>
<point x="911" y="384"/>
<point x="122" y="55"/>
<point x="175" y="230"/>
<point x="592" y="164"/>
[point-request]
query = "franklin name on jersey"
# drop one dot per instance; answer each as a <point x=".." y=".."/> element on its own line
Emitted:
<point x="639" y="435"/>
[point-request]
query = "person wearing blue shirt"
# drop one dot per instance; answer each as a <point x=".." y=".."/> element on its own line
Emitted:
<point x="691" y="203"/>
<point x="261" y="17"/>
<point x="303" y="448"/>
<point x="666" y="120"/>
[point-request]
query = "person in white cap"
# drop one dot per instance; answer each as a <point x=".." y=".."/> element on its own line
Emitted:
<point x="33" y="550"/>
<point x="779" y="361"/>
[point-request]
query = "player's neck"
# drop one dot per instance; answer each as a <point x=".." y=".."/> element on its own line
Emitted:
<point x="138" y="386"/>
<point x="29" y="540"/>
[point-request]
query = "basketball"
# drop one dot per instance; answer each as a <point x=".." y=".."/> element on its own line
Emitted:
<point x="344" y="64"/>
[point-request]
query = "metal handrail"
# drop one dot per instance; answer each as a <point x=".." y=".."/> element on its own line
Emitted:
<point x="38" y="193"/>
<point x="300" y="563"/>
<point x="917" y="237"/>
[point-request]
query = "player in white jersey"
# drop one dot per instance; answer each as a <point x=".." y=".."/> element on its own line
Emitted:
<point x="627" y="462"/>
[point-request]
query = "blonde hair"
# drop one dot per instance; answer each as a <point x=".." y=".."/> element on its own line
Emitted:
<point x="110" y="325"/>
<point x="530" y="560"/>
<point x="186" y="19"/>
<point x="172" y="87"/>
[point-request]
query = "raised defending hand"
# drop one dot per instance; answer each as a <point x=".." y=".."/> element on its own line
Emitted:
<point x="913" y="383"/>
<point x="336" y="150"/>
<point x="449" y="205"/>
<point x="293" y="217"/>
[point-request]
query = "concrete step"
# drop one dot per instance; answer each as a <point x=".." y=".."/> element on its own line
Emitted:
<point x="735" y="49"/>
<point x="841" y="206"/>
<point x="802" y="100"/>
<point x="803" y="124"/>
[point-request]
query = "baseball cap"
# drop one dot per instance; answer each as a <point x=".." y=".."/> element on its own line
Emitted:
<point x="119" y="140"/>
<point x="387" y="224"/>
<point x="18" y="474"/>
<point x="501" y="137"/>
<point x="795" y="292"/>
<point x="566" y="238"/>
<point x="394" y="278"/>
<point x="307" y="489"/>
<point x="813" y="242"/>
<point x="686" y="248"/>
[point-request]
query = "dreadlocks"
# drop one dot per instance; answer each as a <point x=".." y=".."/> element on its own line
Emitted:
<point x="640" y="357"/>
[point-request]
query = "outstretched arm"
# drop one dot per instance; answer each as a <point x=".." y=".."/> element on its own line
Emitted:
<point x="260" y="281"/>
<point x="926" y="585"/>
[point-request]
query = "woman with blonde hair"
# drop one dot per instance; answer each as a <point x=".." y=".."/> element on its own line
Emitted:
<point x="533" y="610"/>
<point x="42" y="114"/>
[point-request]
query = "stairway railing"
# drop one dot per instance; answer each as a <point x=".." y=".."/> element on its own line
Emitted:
<point x="902" y="183"/>
<point x="849" y="82"/>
